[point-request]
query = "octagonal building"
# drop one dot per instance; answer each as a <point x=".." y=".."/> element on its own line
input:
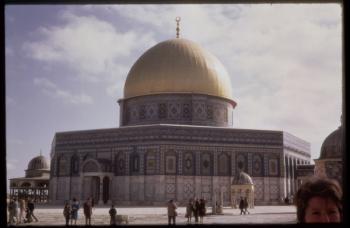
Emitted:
<point x="176" y="140"/>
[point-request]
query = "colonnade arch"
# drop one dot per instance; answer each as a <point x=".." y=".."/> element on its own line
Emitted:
<point x="95" y="183"/>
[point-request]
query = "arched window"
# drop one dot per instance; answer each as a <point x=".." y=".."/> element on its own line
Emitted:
<point x="26" y="184"/>
<point x="257" y="165"/>
<point x="53" y="167"/>
<point x="75" y="165"/>
<point x="119" y="164"/>
<point x="242" y="163"/>
<point x="135" y="163"/>
<point x="206" y="164"/>
<point x="224" y="164"/>
<point x="188" y="164"/>
<point x="151" y="162"/>
<point x="63" y="166"/>
<point x="42" y="185"/>
<point x="90" y="166"/>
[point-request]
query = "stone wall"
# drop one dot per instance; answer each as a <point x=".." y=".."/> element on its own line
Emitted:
<point x="188" y="109"/>
<point x="150" y="163"/>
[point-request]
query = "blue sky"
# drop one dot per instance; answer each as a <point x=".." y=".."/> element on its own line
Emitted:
<point x="66" y="66"/>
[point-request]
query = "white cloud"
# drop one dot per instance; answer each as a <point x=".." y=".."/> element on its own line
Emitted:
<point x="52" y="90"/>
<point x="86" y="44"/>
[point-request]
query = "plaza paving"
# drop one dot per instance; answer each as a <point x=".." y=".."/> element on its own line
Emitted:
<point x="49" y="215"/>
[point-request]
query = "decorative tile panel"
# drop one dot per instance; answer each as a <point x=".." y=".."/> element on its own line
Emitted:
<point x="257" y="165"/>
<point x="206" y="164"/>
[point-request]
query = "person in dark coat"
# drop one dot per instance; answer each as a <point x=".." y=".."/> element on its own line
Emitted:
<point x="202" y="210"/>
<point x="246" y="204"/>
<point x="28" y="217"/>
<point x="241" y="205"/>
<point x="196" y="210"/>
<point x="31" y="209"/>
<point x="87" y="211"/>
<point x="171" y="206"/>
<point x="113" y="214"/>
<point x="189" y="211"/>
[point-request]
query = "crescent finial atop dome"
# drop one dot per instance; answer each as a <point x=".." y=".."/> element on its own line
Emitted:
<point x="178" y="19"/>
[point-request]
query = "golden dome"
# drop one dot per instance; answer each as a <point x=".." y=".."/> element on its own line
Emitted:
<point x="177" y="66"/>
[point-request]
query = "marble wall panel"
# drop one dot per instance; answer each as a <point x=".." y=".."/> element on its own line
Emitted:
<point x="75" y="186"/>
<point x="63" y="188"/>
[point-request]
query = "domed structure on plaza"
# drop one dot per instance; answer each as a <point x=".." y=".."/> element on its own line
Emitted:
<point x="178" y="66"/>
<point x="35" y="183"/>
<point x="332" y="145"/>
<point x="37" y="167"/>
<point x="38" y="163"/>
<point x="330" y="162"/>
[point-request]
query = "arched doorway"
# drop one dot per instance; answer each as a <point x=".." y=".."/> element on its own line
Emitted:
<point x="91" y="182"/>
<point x="91" y="187"/>
<point x="105" y="190"/>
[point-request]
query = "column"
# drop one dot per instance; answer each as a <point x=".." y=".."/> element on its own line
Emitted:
<point x="287" y="175"/>
<point x="34" y="194"/>
<point x="293" y="176"/>
<point x="222" y="196"/>
<point x="297" y="180"/>
<point x="290" y="176"/>
<point x="214" y="203"/>
<point x="100" y="201"/>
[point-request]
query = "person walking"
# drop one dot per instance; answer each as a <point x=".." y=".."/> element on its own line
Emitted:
<point x="246" y="205"/>
<point x="202" y="210"/>
<point x="15" y="209"/>
<point x="113" y="214"/>
<point x="241" y="205"/>
<point x="10" y="207"/>
<point x="28" y="218"/>
<point x="74" y="212"/>
<point x="31" y="208"/>
<point x="172" y="212"/>
<point x="67" y="212"/>
<point x="22" y="210"/>
<point x="87" y="211"/>
<point x="189" y="211"/>
<point x="196" y="210"/>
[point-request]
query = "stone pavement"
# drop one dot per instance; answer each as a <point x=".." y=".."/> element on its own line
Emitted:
<point x="49" y="215"/>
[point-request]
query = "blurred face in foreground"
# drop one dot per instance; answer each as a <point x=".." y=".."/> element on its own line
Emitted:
<point x="321" y="210"/>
